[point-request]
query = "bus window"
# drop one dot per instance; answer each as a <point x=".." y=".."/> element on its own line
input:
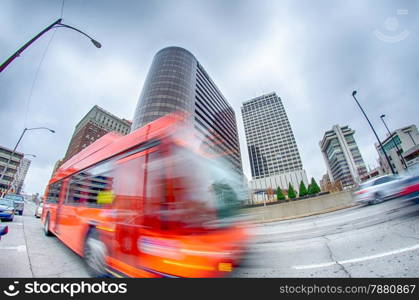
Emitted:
<point x="101" y="189"/>
<point x="154" y="191"/>
<point x="75" y="191"/>
<point x="54" y="192"/>
<point x="205" y="192"/>
<point x="128" y="183"/>
<point x="91" y="188"/>
<point x="137" y="186"/>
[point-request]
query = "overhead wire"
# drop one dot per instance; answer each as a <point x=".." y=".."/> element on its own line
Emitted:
<point x="28" y="101"/>
<point x="62" y="9"/>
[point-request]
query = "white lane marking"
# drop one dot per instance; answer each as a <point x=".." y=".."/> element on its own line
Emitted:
<point x="323" y="265"/>
<point x="355" y="260"/>
<point x="21" y="248"/>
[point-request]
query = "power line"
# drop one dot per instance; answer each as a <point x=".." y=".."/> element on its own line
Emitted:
<point x="36" y="77"/>
<point x="39" y="67"/>
<point x="62" y="9"/>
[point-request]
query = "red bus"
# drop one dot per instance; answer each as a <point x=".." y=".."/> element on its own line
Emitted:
<point x="153" y="203"/>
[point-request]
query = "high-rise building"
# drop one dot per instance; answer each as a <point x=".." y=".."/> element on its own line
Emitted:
<point x="273" y="153"/>
<point x="341" y="154"/>
<point x="95" y="124"/>
<point x="21" y="173"/>
<point x="176" y="81"/>
<point x="7" y="177"/>
<point x="401" y="148"/>
<point x="324" y="182"/>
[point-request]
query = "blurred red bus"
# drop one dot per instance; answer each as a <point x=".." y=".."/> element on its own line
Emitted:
<point x="148" y="204"/>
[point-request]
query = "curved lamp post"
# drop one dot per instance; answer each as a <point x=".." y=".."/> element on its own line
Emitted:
<point x="381" y="145"/>
<point x="56" y="24"/>
<point x="17" y="144"/>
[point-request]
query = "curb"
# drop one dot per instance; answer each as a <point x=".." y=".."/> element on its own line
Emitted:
<point x="306" y="215"/>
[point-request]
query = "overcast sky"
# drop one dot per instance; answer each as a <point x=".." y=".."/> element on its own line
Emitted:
<point x="311" y="53"/>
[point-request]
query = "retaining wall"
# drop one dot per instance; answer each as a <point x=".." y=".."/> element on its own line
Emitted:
<point x="300" y="208"/>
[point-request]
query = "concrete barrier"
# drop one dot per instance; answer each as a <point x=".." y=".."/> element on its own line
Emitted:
<point x="301" y="208"/>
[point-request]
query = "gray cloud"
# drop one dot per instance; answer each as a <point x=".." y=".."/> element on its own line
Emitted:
<point x="313" y="54"/>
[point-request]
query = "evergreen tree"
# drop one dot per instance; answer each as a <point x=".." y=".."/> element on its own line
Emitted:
<point x="291" y="192"/>
<point x="309" y="189"/>
<point x="303" y="190"/>
<point x="314" y="187"/>
<point x="279" y="194"/>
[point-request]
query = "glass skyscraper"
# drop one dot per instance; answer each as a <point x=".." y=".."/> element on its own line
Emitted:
<point x="176" y="81"/>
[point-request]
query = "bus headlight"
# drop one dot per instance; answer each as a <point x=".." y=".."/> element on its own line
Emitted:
<point x="159" y="247"/>
<point x="225" y="267"/>
<point x="207" y="253"/>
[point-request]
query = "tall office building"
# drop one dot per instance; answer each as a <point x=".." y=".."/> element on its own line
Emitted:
<point x="176" y="81"/>
<point x="341" y="154"/>
<point x="273" y="153"/>
<point x="402" y="149"/>
<point x="95" y="124"/>
<point x="7" y="176"/>
<point x="21" y="173"/>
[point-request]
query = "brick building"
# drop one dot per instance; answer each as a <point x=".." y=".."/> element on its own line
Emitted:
<point x="95" y="124"/>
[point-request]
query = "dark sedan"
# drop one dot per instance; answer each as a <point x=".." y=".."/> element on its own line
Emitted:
<point x="19" y="202"/>
<point x="3" y="229"/>
<point x="7" y="209"/>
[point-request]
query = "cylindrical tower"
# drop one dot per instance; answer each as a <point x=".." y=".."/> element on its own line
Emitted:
<point x="178" y="82"/>
<point x="169" y="86"/>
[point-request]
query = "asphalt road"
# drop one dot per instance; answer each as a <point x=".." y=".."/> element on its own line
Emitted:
<point x="26" y="252"/>
<point x="365" y="241"/>
<point x="373" y="241"/>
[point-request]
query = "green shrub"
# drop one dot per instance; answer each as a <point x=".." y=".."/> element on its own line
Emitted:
<point x="291" y="192"/>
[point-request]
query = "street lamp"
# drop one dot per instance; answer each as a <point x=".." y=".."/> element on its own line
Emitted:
<point x="17" y="144"/>
<point x="385" y="154"/>
<point x="56" y="24"/>
<point x="394" y="142"/>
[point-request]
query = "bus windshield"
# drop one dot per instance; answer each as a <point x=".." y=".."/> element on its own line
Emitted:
<point x="205" y="191"/>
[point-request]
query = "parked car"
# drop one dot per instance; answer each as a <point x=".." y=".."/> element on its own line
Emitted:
<point x="7" y="209"/>
<point x="38" y="210"/>
<point x="4" y="229"/>
<point x="379" y="189"/>
<point x="19" y="202"/>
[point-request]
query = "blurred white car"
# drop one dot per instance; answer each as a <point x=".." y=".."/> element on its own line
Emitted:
<point x="379" y="189"/>
<point x="38" y="210"/>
